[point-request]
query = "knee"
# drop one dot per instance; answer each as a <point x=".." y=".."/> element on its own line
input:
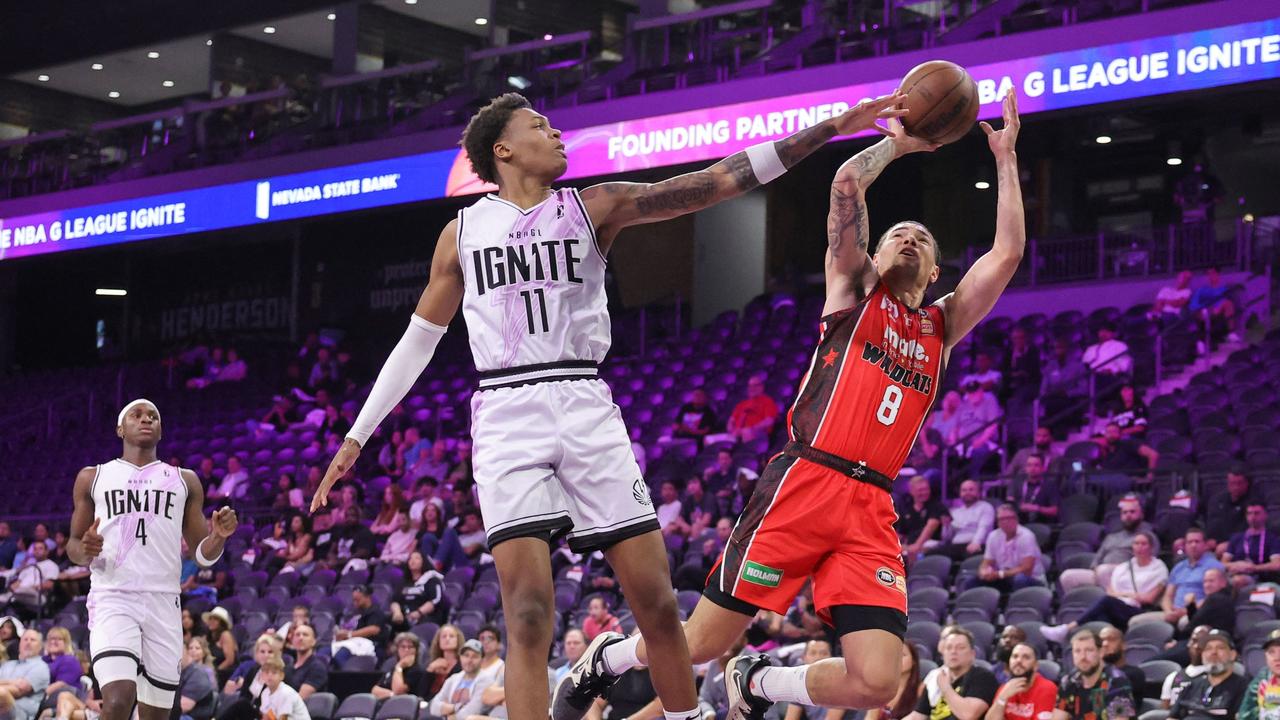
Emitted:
<point x="118" y="706"/>
<point x="529" y="622"/>
<point x="656" y="605"/>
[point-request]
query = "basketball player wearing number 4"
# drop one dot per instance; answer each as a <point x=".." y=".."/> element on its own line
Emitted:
<point x="131" y="516"/>
<point x="822" y="507"/>
<point x="551" y="454"/>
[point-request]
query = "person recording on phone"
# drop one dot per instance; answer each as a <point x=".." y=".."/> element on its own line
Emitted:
<point x="1027" y="693"/>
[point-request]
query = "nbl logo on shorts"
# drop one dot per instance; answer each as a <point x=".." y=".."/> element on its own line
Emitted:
<point x="889" y="578"/>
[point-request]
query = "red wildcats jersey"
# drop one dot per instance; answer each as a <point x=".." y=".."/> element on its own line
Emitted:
<point x="871" y="382"/>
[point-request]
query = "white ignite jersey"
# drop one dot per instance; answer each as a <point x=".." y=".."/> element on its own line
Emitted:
<point x="534" y="282"/>
<point x="141" y="512"/>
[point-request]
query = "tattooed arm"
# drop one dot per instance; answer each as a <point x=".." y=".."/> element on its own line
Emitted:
<point x="615" y="205"/>
<point x="850" y="273"/>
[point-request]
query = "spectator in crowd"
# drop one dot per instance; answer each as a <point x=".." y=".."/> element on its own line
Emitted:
<point x="438" y="542"/>
<point x="462" y="476"/>
<point x="695" y="420"/>
<point x="324" y="373"/>
<point x="391" y="456"/>
<point x="278" y="701"/>
<point x="490" y="638"/>
<point x="64" y="668"/>
<point x="399" y="544"/>
<point x="414" y="451"/>
<point x="1064" y="383"/>
<point x="244" y="679"/>
<point x="1137" y="584"/>
<point x="471" y="533"/>
<point x="958" y="689"/>
<point x="443" y="659"/>
<point x="233" y="484"/>
<point x="434" y="464"/>
<point x="1011" y="560"/>
<point x="299" y="615"/>
<point x="573" y="643"/>
<point x="1212" y="304"/>
<point x="814" y="651"/>
<point x="1036" y="496"/>
<point x="904" y="703"/>
<point x="1175" y="682"/>
<point x="720" y="478"/>
<point x="984" y="373"/>
<point x="455" y="700"/>
<point x="289" y="496"/>
<point x="978" y="427"/>
<point x="1171" y="300"/>
<point x="423" y="493"/>
<point x="1217" y="610"/>
<point x="282" y="416"/>
<point x="362" y="629"/>
<point x="11" y="629"/>
<point x="8" y="546"/>
<point x="40" y="533"/>
<point x="919" y="519"/>
<point x="1116" y="548"/>
<point x="1186" y="579"/>
<point x="946" y="419"/>
<point x="1113" y="653"/>
<point x="698" y="509"/>
<point x="196" y="688"/>
<point x="1262" y="697"/>
<point x="744" y="487"/>
<point x="1093" y="690"/>
<point x="422" y="597"/>
<point x="1008" y="639"/>
<point x="233" y="369"/>
<point x="31" y="580"/>
<point x="1125" y="457"/>
<point x="1109" y="356"/>
<point x="299" y="554"/>
<point x="753" y="417"/>
<point x="1217" y="692"/>
<point x="221" y="642"/>
<point x="406" y="676"/>
<point x="1253" y="556"/>
<point x="22" y="681"/>
<point x="669" y="508"/>
<point x="309" y="673"/>
<point x="599" y="619"/>
<point x="1129" y="413"/>
<point x="1027" y="695"/>
<point x="1022" y="368"/>
<point x="1041" y="444"/>
<point x="966" y="526"/>
<point x="348" y="498"/>
<point x="1224" y="514"/>
<point x="352" y="541"/>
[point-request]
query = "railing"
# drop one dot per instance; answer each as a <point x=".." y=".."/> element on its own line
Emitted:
<point x="1144" y="252"/>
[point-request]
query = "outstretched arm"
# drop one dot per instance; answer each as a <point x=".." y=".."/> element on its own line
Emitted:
<point x="437" y="306"/>
<point x="616" y="205"/>
<point x="849" y="272"/>
<point x="981" y="286"/>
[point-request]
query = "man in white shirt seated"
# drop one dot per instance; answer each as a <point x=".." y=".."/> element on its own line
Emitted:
<point x="1172" y="299"/>
<point x="967" y="526"/>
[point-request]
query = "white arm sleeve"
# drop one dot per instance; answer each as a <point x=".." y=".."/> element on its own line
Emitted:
<point x="405" y="363"/>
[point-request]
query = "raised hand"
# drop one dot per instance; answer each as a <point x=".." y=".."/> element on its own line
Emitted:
<point x="864" y="115"/>
<point x="1003" y="140"/>
<point x="91" y="541"/>
<point x="903" y="142"/>
<point x="339" y="466"/>
<point x="223" y="524"/>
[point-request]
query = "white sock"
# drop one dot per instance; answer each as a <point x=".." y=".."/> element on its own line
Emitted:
<point x="781" y="683"/>
<point x="621" y="656"/>
<point x="683" y="715"/>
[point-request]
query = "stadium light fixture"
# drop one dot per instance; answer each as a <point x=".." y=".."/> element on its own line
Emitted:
<point x="167" y="83"/>
<point x="270" y="29"/>
<point x="96" y="66"/>
<point x="209" y="42"/>
<point x="1174" y="161"/>
<point x="1102" y="139"/>
<point x="518" y="82"/>
<point x="153" y="55"/>
<point x="410" y="2"/>
<point x="982" y="185"/>
<point x="113" y="94"/>
<point x="42" y="78"/>
<point x="482" y="21"/>
<point x="331" y="16"/>
<point x="111" y="292"/>
<point x="548" y="36"/>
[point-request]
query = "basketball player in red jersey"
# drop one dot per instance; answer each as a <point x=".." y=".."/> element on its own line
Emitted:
<point x="822" y="507"/>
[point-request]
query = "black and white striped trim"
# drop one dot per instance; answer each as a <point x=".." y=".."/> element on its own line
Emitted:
<point x="545" y="372"/>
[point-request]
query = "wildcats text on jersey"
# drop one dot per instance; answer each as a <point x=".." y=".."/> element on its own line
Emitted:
<point x="539" y="261"/>
<point x="905" y="377"/>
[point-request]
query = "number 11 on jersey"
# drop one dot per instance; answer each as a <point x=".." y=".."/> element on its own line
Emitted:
<point x="541" y="301"/>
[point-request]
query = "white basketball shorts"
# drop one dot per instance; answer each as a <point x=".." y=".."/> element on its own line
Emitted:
<point x="137" y="636"/>
<point x="554" y="457"/>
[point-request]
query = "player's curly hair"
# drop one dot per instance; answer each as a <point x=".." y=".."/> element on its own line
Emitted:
<point x="484" y="129"/>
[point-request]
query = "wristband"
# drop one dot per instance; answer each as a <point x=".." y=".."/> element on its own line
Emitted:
<point x="765" y="162"/>
<point x="203" y="561"/>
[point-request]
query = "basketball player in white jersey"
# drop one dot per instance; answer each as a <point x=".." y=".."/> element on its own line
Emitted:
<point x="131" y="516"/>
<point x="551" y="453"/>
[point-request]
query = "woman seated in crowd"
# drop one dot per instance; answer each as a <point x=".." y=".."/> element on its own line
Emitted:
<point x="1136" y="586"/>
<point x="422" y="597"/>
<point x="405" y="677"/>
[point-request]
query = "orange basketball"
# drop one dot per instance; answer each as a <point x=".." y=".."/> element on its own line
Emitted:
<point x="942" y="100"/>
